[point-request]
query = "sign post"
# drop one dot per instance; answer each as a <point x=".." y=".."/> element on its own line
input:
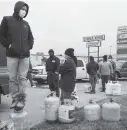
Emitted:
<point x="93" y="41"/>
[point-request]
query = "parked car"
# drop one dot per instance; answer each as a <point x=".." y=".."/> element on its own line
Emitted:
<point x="121" y="69"/>
<point x="39" y="72"/>
<point x="4" y="75"/>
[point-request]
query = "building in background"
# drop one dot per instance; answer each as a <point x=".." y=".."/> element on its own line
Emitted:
<point x="121" y="43"/>
<point x="36" y="59"/>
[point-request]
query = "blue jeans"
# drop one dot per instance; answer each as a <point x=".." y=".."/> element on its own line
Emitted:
<point x="93" y="81"/>
<point x="18" y="68"/>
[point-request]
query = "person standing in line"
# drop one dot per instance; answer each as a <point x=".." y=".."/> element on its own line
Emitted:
<point x="17" y="38"/>
<point x="68" y="76"/>
<point x="75" y="60"/>
<point x="112" y="77"/>
<point x="52" y="69"/>
<point x="105" y="70"/>
<point x="29" y="75"/>
<point x="73" y="56"/>
<point x="92" y="69"/>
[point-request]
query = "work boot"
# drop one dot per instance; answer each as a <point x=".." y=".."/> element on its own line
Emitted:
<point x="21" y="102"/>
<point x="14" y="103"/>
<point x="92" y="92"/>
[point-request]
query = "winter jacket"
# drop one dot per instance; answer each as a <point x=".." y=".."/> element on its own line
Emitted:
<point x="68" y="75"/>
<point x="16" y="33"/>
<point x="105" y="68"/>
<point x="52" y="64"/>
<point x="92" y="68"/>
<point x="75" y="59"/>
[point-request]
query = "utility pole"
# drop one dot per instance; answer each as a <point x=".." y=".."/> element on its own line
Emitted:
<point x="110" y="49"/>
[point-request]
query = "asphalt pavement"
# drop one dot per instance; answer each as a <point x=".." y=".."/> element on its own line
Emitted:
<point x="35" y="101"/>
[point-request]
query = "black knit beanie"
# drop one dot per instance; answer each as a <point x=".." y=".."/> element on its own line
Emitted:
<point x="69" y="52"/>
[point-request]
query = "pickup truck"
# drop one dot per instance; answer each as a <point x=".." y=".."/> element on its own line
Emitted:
<point x="4" y="75"/>
<point x="39" y="72"/>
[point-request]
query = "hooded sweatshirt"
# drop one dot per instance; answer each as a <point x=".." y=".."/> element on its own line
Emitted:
<point x="15" y="33"/>
<point x="92" y="68"/>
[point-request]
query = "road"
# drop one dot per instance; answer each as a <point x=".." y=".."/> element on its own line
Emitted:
<point x="36" y="97"/>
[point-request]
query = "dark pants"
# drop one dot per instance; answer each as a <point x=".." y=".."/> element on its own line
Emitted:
<point x="65" y="95"/>
<point x="93" y="81"/>
<point x="105" y="79"/>
<point x="53" y="81"/>
<point x="29" y="76"/>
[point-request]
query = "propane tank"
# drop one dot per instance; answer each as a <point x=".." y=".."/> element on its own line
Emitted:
<point x="116" y="88"/>
<point x="109" y="87"/>
<point x="92" y="111"/>
<point x="19" y="119"/>
<point x="87" y="88"/>
<point x="51" y="108"/>
<point x="66" y="112"/>
<point x="111" y="111"/>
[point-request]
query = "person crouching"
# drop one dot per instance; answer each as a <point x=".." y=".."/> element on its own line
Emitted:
<point x="68" y="76"/>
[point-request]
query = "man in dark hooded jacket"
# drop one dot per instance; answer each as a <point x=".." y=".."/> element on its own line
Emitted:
<point x="92" y="69"/>
<point x="17" y="38"/>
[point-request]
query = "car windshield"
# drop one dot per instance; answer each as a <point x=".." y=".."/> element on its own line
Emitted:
<point x="119" y="64"/>
<point x="61" y="61"/>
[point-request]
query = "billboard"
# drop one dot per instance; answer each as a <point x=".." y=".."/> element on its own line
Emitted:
<point x="94" y="38"/>
<point x="122" y="43"/>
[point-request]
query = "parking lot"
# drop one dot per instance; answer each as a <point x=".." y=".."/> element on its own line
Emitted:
<point x="36" y="96"/>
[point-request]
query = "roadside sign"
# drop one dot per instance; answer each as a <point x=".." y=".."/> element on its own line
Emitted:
<point x="122" y="42"/>
<point x="94" y="38"/>
<point x="93" y="44"/>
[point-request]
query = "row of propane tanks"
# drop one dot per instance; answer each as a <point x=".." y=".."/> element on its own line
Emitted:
<point x="112" y="88"/>
<point x="66" y="113"/>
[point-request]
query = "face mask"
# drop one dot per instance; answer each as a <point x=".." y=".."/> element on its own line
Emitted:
<point x="22" y="13"/>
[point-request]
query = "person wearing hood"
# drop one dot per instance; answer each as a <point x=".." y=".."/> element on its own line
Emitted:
<point x="68" y="76"/>
<point x="52" y="69"/>
<point x="73" y="56"/>
<point x="92" y="69"/>
<point x="17" y="38"/>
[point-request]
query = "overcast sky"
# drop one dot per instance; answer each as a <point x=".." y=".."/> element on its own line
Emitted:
<point x="59" y="24"/>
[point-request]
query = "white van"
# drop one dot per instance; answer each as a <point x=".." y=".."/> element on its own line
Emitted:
<point x="40" y="75"/>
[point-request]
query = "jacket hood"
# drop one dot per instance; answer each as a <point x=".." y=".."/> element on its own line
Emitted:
<point x="18" y="6"/>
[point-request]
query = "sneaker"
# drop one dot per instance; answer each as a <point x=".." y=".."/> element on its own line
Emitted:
<point x="50" y="95"/>
<point x="33" y="86"/>
<point x="92" y="93"/>
<point x="20" y="104"/>
<point x="14" y="103"/>
<point x="21" y="101"/>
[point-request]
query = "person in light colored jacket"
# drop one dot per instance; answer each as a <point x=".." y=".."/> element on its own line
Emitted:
<point x="105" y="70"/>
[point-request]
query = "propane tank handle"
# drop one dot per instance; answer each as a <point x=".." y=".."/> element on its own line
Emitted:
<point x="111" y="100"/>
<point x="92" y="100"/>
<point x="109" y="81"/>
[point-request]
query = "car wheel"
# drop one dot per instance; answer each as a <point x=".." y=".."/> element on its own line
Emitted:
<point x="40" y="81"/>
<point x="116" y="75"/>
